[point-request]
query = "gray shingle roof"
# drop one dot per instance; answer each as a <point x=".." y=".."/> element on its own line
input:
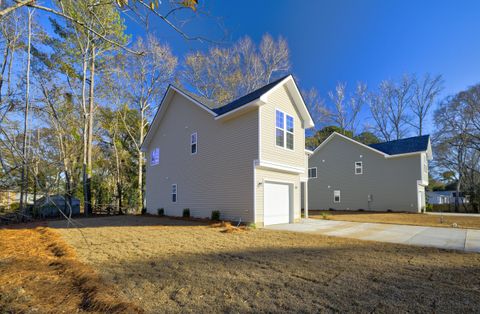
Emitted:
<point x="403" y="146"/>
<point x="236" y="103"/>
<point x="247" y="98"/>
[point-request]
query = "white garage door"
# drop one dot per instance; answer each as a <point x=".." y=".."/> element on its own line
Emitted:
<point x="277" y="203"/>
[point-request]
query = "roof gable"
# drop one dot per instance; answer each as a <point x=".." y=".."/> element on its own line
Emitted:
<point x="255" y="98"/>
<point x="413" y="145"/>
<point x="335" y="134"/>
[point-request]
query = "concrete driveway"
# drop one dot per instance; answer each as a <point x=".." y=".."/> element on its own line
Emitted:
<point x="444" y="238"/>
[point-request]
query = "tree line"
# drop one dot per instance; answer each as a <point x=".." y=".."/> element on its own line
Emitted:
<point x="401" y="108"/>
<point x="77" y="94"/>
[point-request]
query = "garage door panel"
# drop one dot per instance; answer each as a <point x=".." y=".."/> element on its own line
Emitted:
<point x="277" y="203"/>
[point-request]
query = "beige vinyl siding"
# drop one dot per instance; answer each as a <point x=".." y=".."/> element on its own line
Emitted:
<point x="280" y="99"/>
<point x="392" y="182"/>
<point x="263" y="175"/>
<point x="218" y="177"/>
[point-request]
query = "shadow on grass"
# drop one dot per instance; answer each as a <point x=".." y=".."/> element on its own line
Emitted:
<point x="346" y="278"/>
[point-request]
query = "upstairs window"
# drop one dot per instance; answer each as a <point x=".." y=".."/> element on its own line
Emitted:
<point x="312" y="173"/>
<point x="289" y="132"/>
<point x="336" y="196"/>
<point x="279" y="128"/>
<point x="155" y="156"/>
<point x="174" y="193"/>
<point x="193" y="143"/>
<point x="284" y="126"/>
<point x="358" y="167"/>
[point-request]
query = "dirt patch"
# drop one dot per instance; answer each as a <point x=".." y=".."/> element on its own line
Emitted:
<point x="39" y="273"/>
<point x="467" y="222"/>
<point x="167" y="265"/>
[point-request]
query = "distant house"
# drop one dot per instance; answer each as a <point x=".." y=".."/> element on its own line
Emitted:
<point x="7" y="198"/>
<point x="445" y="197"/>
<point x="345" y="174"/>
<point x="11" y="197"/>
<point x="50" y="206"/>
<point x="246" y="159"/>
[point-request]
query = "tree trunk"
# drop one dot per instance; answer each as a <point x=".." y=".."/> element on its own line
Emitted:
<point x="90" y="130"/>
<point x="117" y="179"/>
<point x="140" y="162"/>
<point x="68" y="191"/>
<point x="4" y="66"/>
<point x="86" y="200"/>
<point x="23" y="184"/>
<point x="35" y="173"/>
<point x="457" y="194"/>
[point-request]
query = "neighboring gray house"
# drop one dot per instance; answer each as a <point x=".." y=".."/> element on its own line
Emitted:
<point x="245" y="159"/>
<point x="347" y="175"/>
<point x="445" y="197"/>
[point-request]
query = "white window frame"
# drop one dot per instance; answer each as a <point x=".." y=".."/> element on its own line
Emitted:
<point x="335" y="194"/>
<point x="309" y="172"/>
<point x="155" y="162"/>
<point x="284" y="130"/>
<point x="174" y="192"/>
<point x="358" y="167"/>
<point x="194" y="143"/>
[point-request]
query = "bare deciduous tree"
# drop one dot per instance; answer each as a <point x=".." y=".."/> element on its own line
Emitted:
<point x="389" y="108"/>
<point x="425" y="92"/>
<point x="224" y="74"/>
<point x="148" y="76"/>
<point x="317" y="108"/>
<point x="346" y="109"/>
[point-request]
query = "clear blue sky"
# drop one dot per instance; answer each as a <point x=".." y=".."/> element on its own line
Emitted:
<point x="351" y="40"/>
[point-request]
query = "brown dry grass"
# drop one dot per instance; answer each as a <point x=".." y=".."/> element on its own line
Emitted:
<point x="399" y="218"/>
<point x="40" y="273"/>
<point x="169" y="265"/>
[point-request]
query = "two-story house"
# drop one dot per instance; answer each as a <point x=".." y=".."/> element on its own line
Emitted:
<point x="245" y="159"/>
<point x="347" y="175"/>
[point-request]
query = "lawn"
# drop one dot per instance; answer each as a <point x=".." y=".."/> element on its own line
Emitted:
<point x="166" y="265"/>
<point x="398" y="218"/>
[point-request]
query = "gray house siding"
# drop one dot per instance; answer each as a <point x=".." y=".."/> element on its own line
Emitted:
<point x="218" y="177"/>
<point x="391" y="182"/>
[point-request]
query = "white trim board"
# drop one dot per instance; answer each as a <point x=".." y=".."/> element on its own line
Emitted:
<point x="277" y="166"/>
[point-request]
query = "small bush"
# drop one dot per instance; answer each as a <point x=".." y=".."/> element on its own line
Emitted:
<point x="324" y="215"/>
<point x="215" y="215"/>
<point x="161" y="212"/>
<point x="186" y="213"/>
<point x="429" y="207"/>
<point x="252" y="225"/>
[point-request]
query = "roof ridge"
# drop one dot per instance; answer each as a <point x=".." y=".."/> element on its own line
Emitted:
<point x="219" y="110"/>
<point x="402" y="139"/>
<point x="240" y="101"/>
